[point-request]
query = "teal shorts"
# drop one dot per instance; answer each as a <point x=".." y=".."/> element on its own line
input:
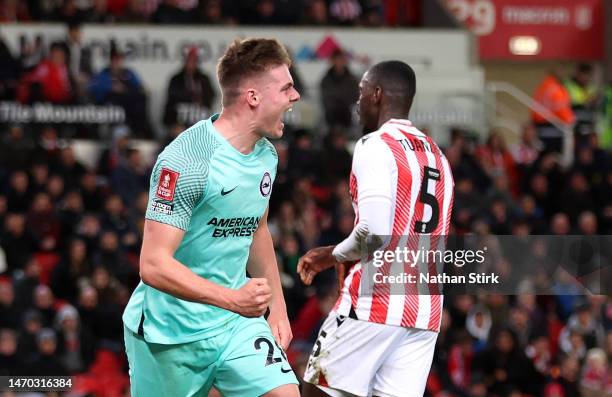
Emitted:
<point x="244" y="361"/>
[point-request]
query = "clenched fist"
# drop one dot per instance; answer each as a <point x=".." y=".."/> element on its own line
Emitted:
<point x="252" y="299"/>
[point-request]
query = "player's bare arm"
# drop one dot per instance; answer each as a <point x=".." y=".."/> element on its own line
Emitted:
<point x="262" y="263"/>
<point x="160" y="270"/>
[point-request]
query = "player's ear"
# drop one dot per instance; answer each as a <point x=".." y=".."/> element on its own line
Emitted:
<point x="253" y="97"/>
<point x="377" y="95"/>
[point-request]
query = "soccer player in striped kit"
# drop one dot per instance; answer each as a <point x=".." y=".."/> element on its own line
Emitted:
<point x="379" y="339"/>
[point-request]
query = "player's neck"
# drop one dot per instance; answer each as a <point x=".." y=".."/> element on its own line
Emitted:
<point x="389" y="114"/>
<point x="238" y="131"/>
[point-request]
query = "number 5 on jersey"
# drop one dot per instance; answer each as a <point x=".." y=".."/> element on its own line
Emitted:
<point x="429" y="199"/>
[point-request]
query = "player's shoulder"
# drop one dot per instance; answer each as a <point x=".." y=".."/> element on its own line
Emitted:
<point x="371" y="145"/>
<point x="268" y="147"/>
<point x="192" y="148"/>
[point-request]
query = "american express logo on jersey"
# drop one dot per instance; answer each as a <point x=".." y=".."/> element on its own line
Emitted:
<point x="234" y="227"/>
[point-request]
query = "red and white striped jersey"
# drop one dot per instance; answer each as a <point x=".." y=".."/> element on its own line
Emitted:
<point x="400" y="158"/>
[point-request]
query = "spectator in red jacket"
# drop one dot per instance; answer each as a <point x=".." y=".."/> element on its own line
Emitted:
<point x="49" y="81"/>
<point x="496" y="160"/>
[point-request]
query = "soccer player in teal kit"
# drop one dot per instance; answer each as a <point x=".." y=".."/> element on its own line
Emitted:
<point x="195" y="321"/>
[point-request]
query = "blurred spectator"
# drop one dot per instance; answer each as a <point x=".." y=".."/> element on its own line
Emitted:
<point x="69" y="167"/>
<point x="44" y="304"/>
<point x="116" y="154"/>
<point x="111" y="300"/>
<point x="71" y="272"/>
<point x="584" y="325"/>
<point x="91" y="192"/>
<point x="478" y="324"/>
<point x="47" y="148"/>
<point x="26" y="281"/>
<point x="71" y="212"/>
<point x="88" y="308"/>
<point x="31" y="54"/>
<point x="373" y="13"/>
<point x="136" y="12"/>
<point x="583" y="95"/>
<point x="47" y="362"/>
<point x="496" y="160"/>
<point x="69" y="12"/>
<point x="17" y="242"/>
<point x="345" y="12"/>
<point x="505" y="366"/>
<point x="460" y="357"/>
<point x="540" y="191"/>
<point x="10" y="362"/>
<point x="112" y="257"/>
<point x="595" y="380"/>
<point x="100" y="13"/>
<point x="228" y="11"/>
<point x="587" y="223"/>
<point x="55" y="188"/>
<point x="554" y="97"/>
<point x="48" y="82"/>
<point x="403" y="12"/>
<point x="27" y="346"/>
<point x="9" y="313"/>
<point x="42" y="10"/>
<point x="190" y="86"/>
<point x="302" y="157"/>
<point x="576" y="197"/>
<point x="528" y="149"/>
<point x="265" y="13"/>
<point x="339" y="91"/>
<point x="315" y="309"/>
<point x="88" y="230"/>
<point x="79" y="59"/>
<point x="39" y="176"/>
<point x="115" y="218"/>
<point x="121" y="86"/>
<point x="335" y="158"/>
<point x="9" y="72"/>
<point x="316" y="13"/>
<point x="43" y="223"/>
<point x="463" y="162"/>
<point x="169" y="12"/>
<point x="538" y="351"/>
<point x="132" y="177"/>
<point x="570" y="372"/>
<point x="76" y="345"/>
<point x="15" y="149"/>
<point x="12" y="11"/>
<point x="465" y="204"/>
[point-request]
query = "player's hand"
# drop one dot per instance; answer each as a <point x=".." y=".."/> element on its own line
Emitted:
<point x="315" y="261"/>
<point x="279" y="324"/>
<point x="252" y="299"/>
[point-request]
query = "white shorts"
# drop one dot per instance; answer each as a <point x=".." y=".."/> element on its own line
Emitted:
<point x="359" y="358"/>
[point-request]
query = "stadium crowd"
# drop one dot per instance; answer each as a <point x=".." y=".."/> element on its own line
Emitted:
<point x="70" y="235"/>
<point x="211" y="12"/>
